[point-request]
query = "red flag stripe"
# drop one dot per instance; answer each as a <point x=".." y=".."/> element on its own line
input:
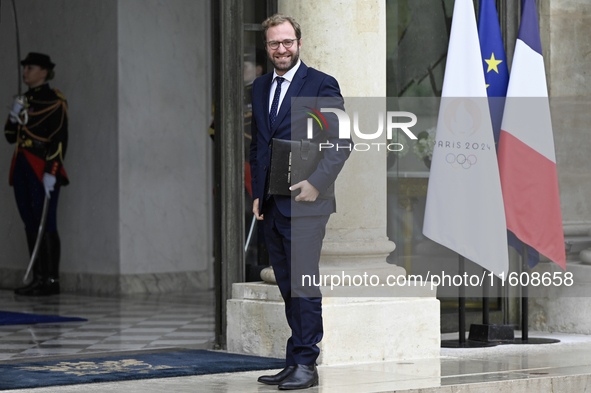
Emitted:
<point x="531" y="197"/>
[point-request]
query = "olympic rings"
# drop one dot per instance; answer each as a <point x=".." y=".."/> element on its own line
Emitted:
<point x="461" y="160"/>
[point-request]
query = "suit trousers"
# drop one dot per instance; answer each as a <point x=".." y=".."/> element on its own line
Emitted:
<point x="294" y="246"/>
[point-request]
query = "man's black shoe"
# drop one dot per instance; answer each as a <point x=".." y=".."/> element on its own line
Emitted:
<point x="302" y="377"/>
<point x="277" y="378"/>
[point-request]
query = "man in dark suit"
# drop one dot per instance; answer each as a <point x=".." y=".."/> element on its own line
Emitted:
<point x="294" y="227"/>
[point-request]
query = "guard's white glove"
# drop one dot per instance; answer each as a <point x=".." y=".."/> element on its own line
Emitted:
<point x="13" y="117"/>
<point x="49" y="183"/>
<point x="18" y="107"/>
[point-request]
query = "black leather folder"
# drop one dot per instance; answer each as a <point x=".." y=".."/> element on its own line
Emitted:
<point x="292" y="162"/>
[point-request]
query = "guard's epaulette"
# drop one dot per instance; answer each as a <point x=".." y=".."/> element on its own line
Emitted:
<point x="59" y="94"/>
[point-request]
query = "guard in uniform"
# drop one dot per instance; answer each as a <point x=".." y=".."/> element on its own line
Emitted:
<point x="38" y="124"/>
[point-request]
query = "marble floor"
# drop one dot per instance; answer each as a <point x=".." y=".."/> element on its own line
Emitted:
<point x="150" y="323"/>
<point x="130" y="323"/>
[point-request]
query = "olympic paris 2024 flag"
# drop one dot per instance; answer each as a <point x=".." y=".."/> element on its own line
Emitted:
<point x="527" y="160"/>
<point x="464" y="209"/>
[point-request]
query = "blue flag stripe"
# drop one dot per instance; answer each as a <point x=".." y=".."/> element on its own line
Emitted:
<point x="529" y="31"/>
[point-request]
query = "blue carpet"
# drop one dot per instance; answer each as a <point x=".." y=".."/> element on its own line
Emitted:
<point x="121" y="368"/>
<point x="19" y="318"/>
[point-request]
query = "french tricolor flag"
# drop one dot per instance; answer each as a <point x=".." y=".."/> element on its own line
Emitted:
<point x="527" y="160"/>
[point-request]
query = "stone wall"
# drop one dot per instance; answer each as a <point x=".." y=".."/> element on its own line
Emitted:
<point x="566" y="26"/>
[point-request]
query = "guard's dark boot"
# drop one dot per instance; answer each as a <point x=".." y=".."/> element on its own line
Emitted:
<point x="37" y="267"/>
<point x="47" y="283"/>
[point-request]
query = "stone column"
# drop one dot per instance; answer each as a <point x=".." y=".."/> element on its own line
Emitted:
<point x="348" y="41"/>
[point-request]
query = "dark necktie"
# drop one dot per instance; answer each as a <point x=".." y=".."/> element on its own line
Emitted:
<point x="275" y="104"/>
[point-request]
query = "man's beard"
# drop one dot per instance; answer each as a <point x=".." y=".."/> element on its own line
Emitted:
<point x="294" y="60"/>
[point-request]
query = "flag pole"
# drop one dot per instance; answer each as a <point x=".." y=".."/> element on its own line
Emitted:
<point x="525" y="339"/>
<point x="485" y="302"/>
<point x="487" y="332"/>
<point x="524" y="297"/>
<point x="461" y="342"/>
<point x="462" y="303"/>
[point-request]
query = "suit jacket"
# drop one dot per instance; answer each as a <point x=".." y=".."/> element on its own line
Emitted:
<point x="323" y="91"/>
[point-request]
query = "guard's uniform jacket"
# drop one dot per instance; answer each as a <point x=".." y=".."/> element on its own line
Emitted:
<point x="44" y="139"/>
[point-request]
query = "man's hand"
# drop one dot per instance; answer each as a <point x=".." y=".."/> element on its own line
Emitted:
<point x="255" y="209"/>
<point x="308" y="192"/>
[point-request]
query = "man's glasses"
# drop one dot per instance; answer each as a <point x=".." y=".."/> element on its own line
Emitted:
<point x="286" y="44"/>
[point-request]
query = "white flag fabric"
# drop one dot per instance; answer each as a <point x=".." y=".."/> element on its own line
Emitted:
<point x="464" y="209"/>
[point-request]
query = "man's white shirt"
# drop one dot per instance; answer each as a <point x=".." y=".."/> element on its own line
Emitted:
<point x="284" y="86"/>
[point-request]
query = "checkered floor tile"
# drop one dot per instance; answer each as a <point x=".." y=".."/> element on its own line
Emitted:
<point x="128" y="323"/>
